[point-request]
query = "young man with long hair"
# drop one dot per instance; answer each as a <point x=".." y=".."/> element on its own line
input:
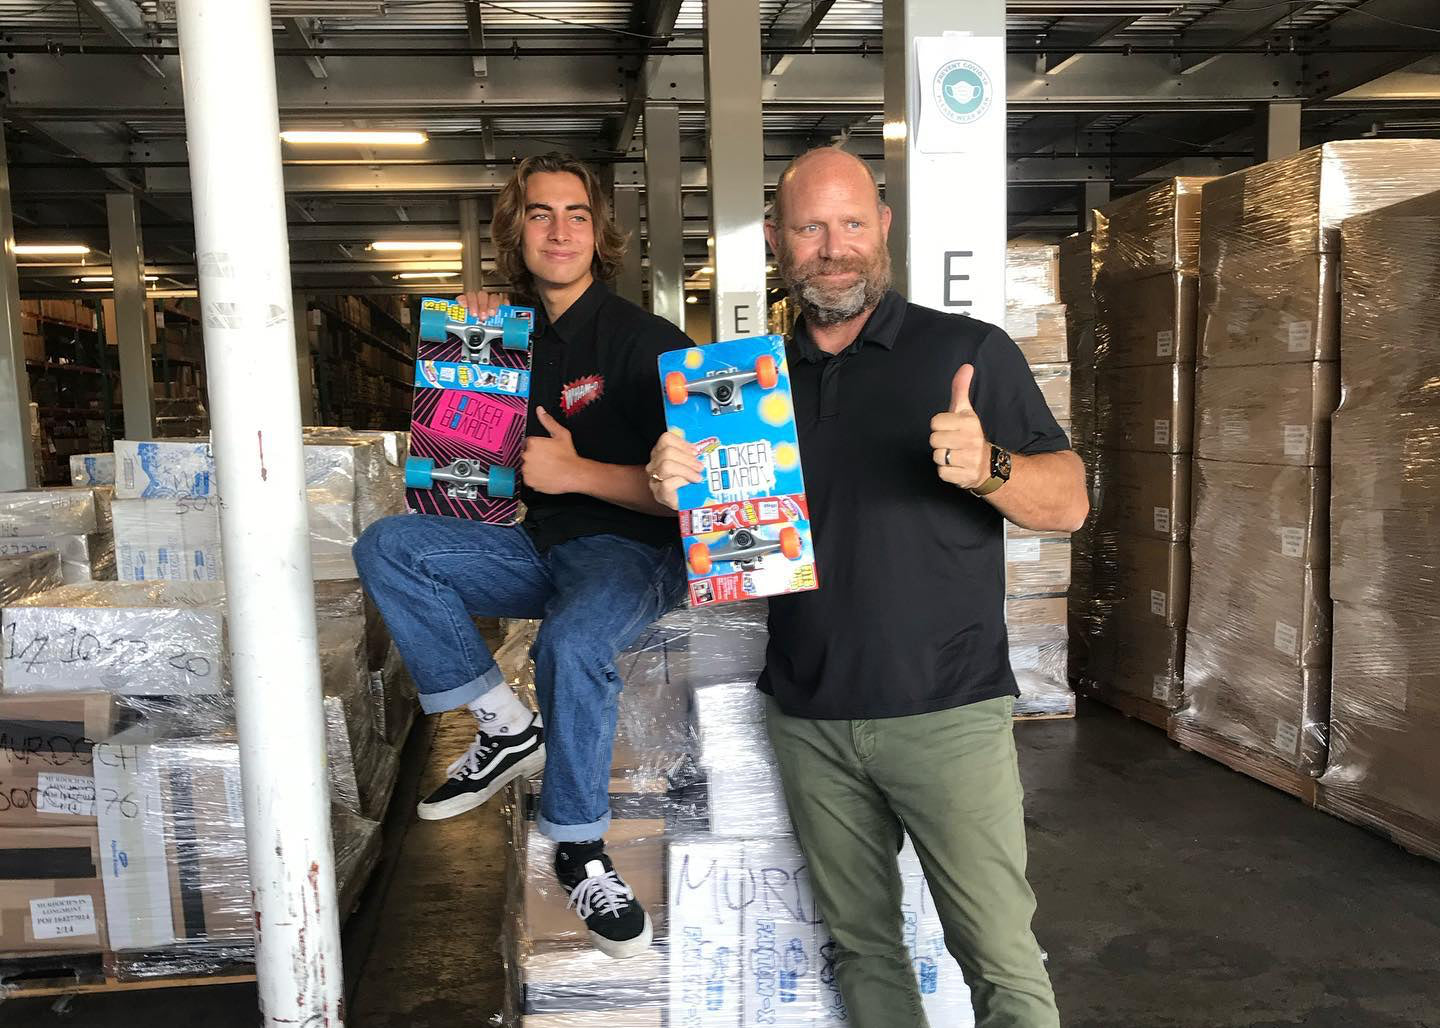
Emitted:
<point x="597" y="557"/>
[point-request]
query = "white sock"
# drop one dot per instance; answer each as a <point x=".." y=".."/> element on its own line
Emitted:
<point x="500" y="711"/>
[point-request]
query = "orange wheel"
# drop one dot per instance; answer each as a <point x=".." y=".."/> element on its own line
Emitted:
<point x="700" y="558"/>
<point x="766" y="373"/>
<point x="790" y="542"/>
<point x="675" y="389"/>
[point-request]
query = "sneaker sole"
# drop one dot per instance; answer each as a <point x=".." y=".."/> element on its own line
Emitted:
<point x="457" y="805"/>
<point x="628" y="948"/>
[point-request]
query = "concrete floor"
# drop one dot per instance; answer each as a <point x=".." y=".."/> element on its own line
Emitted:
<point x="1173" y="893"/>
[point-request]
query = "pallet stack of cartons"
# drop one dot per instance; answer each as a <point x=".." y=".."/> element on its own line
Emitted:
<point x="1077" y="292"/>
<point x="1145" y="253"/>
<point x="75" y="522"/>
<point x="1384" y="762"/>
<point x="1258" y="645"/>
<point x="700" y="831"/>
<point x="1037" y="572"/>
<point x="119" y="738"/>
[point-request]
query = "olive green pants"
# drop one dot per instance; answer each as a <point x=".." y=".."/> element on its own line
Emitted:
<point x="950" y="780"/>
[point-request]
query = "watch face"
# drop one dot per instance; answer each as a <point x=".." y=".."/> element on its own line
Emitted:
<point x="1000" y="464"/>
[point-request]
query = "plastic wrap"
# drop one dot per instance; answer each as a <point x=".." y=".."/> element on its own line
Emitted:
<point x="1036" y="562"/>
<point x="132" y="638"/>
<point x="46" y="758"/>
<point x="83" y="558"/>
<point x="1077" y="275"/>
<point x="1143" y="659"/>
<point x="1277" y="414"/>
<point x="163" y="468"/>
<point x="92" y="469"/>
<point x="69" y="510"/>
<point x="1145" y="495"/>
<point x="1148" y="233"/>
<point x="173" y="539"/>
<point x="1142" y="580"/>
<point x="1032" y="274"/>
<point x="50" y="893"/>
<point x="1040" y="332"/>
<point x="23" y="575"/>
<point x="1384" y="757"/>
<point x="1258" y="643"/>
<point x="1054" y="383"/>
<point x="184" y="889"/>
<point x="700" y="831"/>
<point x="1081" y="334"/>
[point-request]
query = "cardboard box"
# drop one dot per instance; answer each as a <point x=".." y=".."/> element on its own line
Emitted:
<point x="1146" y="233"/>
<point x="150" y="639"/>
<point x="1140" y="658"/>
<point x="564" y="984"/>
<point x="27" y="573"/>
<point x="34" y="346"/>
<point x="47" y="776"/>
<point x="1277" y="415"/>
<point x="1146" y="495"/>
<point x="706" y="932"/>
<point x="1143" y="579"/>
<point x="63" y="510"/>
<point x="174" y="539"/>
<point x="1035" y="619"/>
<point x="1040" y="332"/>
<point x="92" y="469"/>
<point x="1149" y="408"/>
<point x="1383" y="557"/>
<point x="638" y="849"/>
<point x="50" y="894"/>
<point x="1032" y="273"/>
<point x="164" y="468"/>
<point x="1036" y="564"/>
<point x="1148" y="321"/>
<point x="83" y="558"/>
<point x="1054" y="383"/>
<point x="1077" y="275"/>
<point x="1269" y="314"/>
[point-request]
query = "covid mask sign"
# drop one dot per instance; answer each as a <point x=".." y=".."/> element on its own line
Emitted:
<point x="955" y="162"/>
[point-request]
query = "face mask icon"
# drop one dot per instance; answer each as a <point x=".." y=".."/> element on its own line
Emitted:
<point x="961" y="92"/>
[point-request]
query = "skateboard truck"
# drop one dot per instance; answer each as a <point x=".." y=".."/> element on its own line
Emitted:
<point x="745" y="549"/>
<point x="725" y="388"/>
<point x="462" y="479"/>
<point x="477" y="340"/>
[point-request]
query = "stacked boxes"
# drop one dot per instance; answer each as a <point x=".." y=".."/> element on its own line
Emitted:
<point x="1077" y="292"/>
<point x="701" y="833"/>
<point x="1384" y="759"/>
<point x="1145" y="255"/>
<point x="1257" y="662"/>
<point x="74" y="522"/>
<point x="1038" y="564"/>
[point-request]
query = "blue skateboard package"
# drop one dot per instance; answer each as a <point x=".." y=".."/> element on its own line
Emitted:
<point x="472" y="390"/>
<point x="746" y="526"/>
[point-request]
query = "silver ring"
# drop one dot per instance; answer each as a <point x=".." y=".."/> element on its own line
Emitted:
<point x="947" y="456"/>
<point x="655" y="478"/>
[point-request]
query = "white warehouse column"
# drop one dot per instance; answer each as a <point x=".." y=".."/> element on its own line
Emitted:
<point x="133" y="321"/>
<point x="242" y="254"/>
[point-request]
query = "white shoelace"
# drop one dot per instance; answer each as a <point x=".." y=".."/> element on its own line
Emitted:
<point x="604" y="892"/>
<point x="468" y="763"/>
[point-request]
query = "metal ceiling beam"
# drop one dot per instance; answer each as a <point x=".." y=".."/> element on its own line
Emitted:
<point x="475" y="29"/>
<point x="1060" y="59"/>
<point x="775" y="65"/>
<point x="298" y="32"/>
<point x="1259" y="23"/>
<point x="1371" y="22"/>
<point x="122" y="21"/>
<point x="650" y="18"/>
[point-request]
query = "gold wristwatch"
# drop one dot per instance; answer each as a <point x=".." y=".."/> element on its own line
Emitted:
<point x="999" y="472"/>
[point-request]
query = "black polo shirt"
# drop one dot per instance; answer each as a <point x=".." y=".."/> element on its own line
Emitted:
<point x="910" y="614"/>
<point x="593" y="370"/>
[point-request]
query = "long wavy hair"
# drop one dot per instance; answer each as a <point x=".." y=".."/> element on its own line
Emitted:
<point x="508" y="225"/>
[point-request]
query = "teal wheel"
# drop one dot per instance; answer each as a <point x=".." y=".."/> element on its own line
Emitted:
<point x="515" y="334"/>
<point x="418" y="471"/>
<point x="502" y="481"/>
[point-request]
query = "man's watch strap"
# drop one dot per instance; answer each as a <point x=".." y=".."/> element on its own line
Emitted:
<point x="988" y="486"/>
<point x="999" y="472"/>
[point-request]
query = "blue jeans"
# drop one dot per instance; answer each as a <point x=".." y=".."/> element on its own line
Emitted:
<point x="429" y="575"/>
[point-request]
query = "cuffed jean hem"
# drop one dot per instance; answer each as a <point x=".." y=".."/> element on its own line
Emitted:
<point x="461" y="695"/>
<point x="573" y="833"/>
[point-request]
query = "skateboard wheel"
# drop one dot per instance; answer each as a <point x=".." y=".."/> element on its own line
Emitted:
<point x="699" y="558"/>
<point x="502" y="481"/>
<point x="515" y="334"/>
<point x="790" y="542"/>
<point x="417" y="472"/>
<point x="767" y="374"/>
<point x="677" y="391"/>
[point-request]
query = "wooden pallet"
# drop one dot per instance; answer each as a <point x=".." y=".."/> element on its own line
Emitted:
<point x="1148" y="711"/>
<point x="1067" y="716"/>
<point x="1417" y="835"/>
<point x="1260" y="766"/>
<point x="74" y="974"/>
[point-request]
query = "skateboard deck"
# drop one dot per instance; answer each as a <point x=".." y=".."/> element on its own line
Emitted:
<point x="472" y="389"/>
<point x="746" y="526"/>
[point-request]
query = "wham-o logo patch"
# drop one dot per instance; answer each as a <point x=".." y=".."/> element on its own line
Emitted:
<point x="581" y="393"/>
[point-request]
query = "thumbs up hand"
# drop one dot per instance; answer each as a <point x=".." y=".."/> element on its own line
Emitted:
<point x="961" y="452"/>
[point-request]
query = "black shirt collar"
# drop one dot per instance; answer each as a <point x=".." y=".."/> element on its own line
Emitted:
<point x="580" y="315"/>
<point x="881" y="328"/>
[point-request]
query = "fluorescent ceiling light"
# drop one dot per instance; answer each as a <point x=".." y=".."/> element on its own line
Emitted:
<point x="51" y="249"/>
<point x="406" y="246"/>
<point x="692" y="299"/>
<point x="356" y="138"/>
<point x="428" y="274"/>
<point x="111" y="278"/>
<point x="707" y="270"/>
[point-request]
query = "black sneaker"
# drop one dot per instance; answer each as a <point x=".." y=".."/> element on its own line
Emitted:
<point x="491" y="763"/>
<point x="619" y="926"/>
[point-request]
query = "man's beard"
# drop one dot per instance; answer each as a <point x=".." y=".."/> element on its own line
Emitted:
<point x="825" y="305"/>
